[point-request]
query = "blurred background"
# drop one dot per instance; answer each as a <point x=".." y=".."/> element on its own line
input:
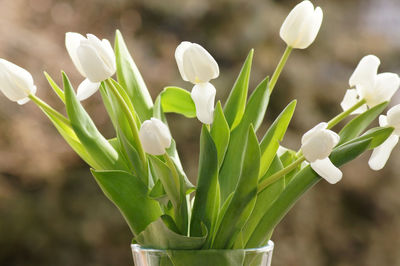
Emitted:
<point x="53" y="213"/>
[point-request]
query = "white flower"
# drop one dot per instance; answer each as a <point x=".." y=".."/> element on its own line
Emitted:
<point x="381" y="154"/>
<point x="195" y="63"/>
<point x="317" y="145"/>
<point x="369" y="85"/>
<point x="15" y="82"/>
<point x="301" y="26"/>
<point x="94" y="59"/>
<point x="203" y="95"/>
<point x="154" y="136"/>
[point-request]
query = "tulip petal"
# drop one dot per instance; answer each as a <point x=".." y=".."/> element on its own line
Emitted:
<point x="25" y="100"/>
<point x="95" y="68"/>
<point x="199" y="66"/>
<point x="350" y="99"/>
<point x="310" y="133"/>
<point x="162" y="131"/>
<point x="393" y="118"/>
<point x="327" y="170"/>
<point x="203" y="95"/>
<point x="103" y="49"/>
<point x="15" y="82"/>
<point x="318" y="142"/>
<point x="383" y="122"/>
<point x="309" y="30"/>
<point x="72" y="42"/>
<point x="365" y="73"/>
<point x="381" y="154"/>
<point x="290" y="30"/>
<point x="385" y="87"/>
<point x="86" y="89"/>
<point x="179" y="58"/>
<point x="152" y="135"/>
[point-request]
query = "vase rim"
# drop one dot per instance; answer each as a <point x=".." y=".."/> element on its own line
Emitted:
<point x="268" y="247"/>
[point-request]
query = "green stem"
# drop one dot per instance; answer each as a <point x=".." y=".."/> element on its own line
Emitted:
<point x="130" y="118"/>
<point x="334" y="121"/>
<point x="278" y="175"/>
<point x="279" y="68"/>
<point x="48" y="108"/>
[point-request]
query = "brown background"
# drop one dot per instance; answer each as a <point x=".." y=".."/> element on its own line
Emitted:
<point x="53" y="213"/>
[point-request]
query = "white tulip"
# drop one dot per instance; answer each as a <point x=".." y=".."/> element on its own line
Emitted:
<point x="15" y="82"/>
<point x="381" y="154"/>
<point x="154" y="136"/>
<point x="316" y="145"/>
<point x="203" y="95"/>
<point x="369" y="85"/>
<point x="195" y="63"/>
<point x="302" y="25"/>
<point x="93" y="58"/>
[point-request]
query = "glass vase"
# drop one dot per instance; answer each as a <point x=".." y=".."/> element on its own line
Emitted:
<point x="210" y="257"/>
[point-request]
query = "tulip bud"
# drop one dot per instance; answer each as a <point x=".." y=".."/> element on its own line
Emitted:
<point x="203" y="95"/>
<point x="301" y="26"/>
<point x="154" y="136"/>
<point x="317" y="145"/>
<point x="195" y="63"/>
<point x="15" y="82"/>
<point x="94" y="59"/>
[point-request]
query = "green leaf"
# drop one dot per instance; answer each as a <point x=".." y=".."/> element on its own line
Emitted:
<point x="159" y="236"/>
<point x="220" y="133"/>
<point x="257" y="105"/>
<point x="206" y="205"/>
<point x="356" y="126"/>
<point x="93" y="141"/>
<point x="378" y="135"/>
<point x="264" y="201"/>
<point x="131" y="80"/>
<point x="236" y="102"/>
<point x="177" y="100"/>
<point x="55" y="87"/>
<point x="244" y="197"/>
<point x="270" y="142"/>
<point x="254" y="113"/>
<point x="175" y="191"/>
<point x="130" y="195"/>
<point x="70" y="137"/>
<point x="303" y="181"/>
<point x="163" y="173"/>
<point x="158" y="191"/>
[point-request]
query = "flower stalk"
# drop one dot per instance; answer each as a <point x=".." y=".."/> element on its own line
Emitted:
<point x="279" y="68"/>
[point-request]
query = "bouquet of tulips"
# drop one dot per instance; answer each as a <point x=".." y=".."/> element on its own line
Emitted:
<point x="245" y="186"/>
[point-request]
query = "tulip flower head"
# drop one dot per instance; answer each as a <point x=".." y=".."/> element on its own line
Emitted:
<point x="374" y="88"/>
<point x="381" y="154"/>
<point x="197" y="66"/>
<point x="302" y="25"/>
<point x="93" y="58"/>
<point x="15" y="82"/>
<point x="317" y="145"/>
<point x="154" y="136"/>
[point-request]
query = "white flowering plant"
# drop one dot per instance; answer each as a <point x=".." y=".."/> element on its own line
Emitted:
<point x="245" y="186"/>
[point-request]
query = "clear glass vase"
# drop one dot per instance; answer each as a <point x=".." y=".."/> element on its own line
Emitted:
<point x="212" y="257"/>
